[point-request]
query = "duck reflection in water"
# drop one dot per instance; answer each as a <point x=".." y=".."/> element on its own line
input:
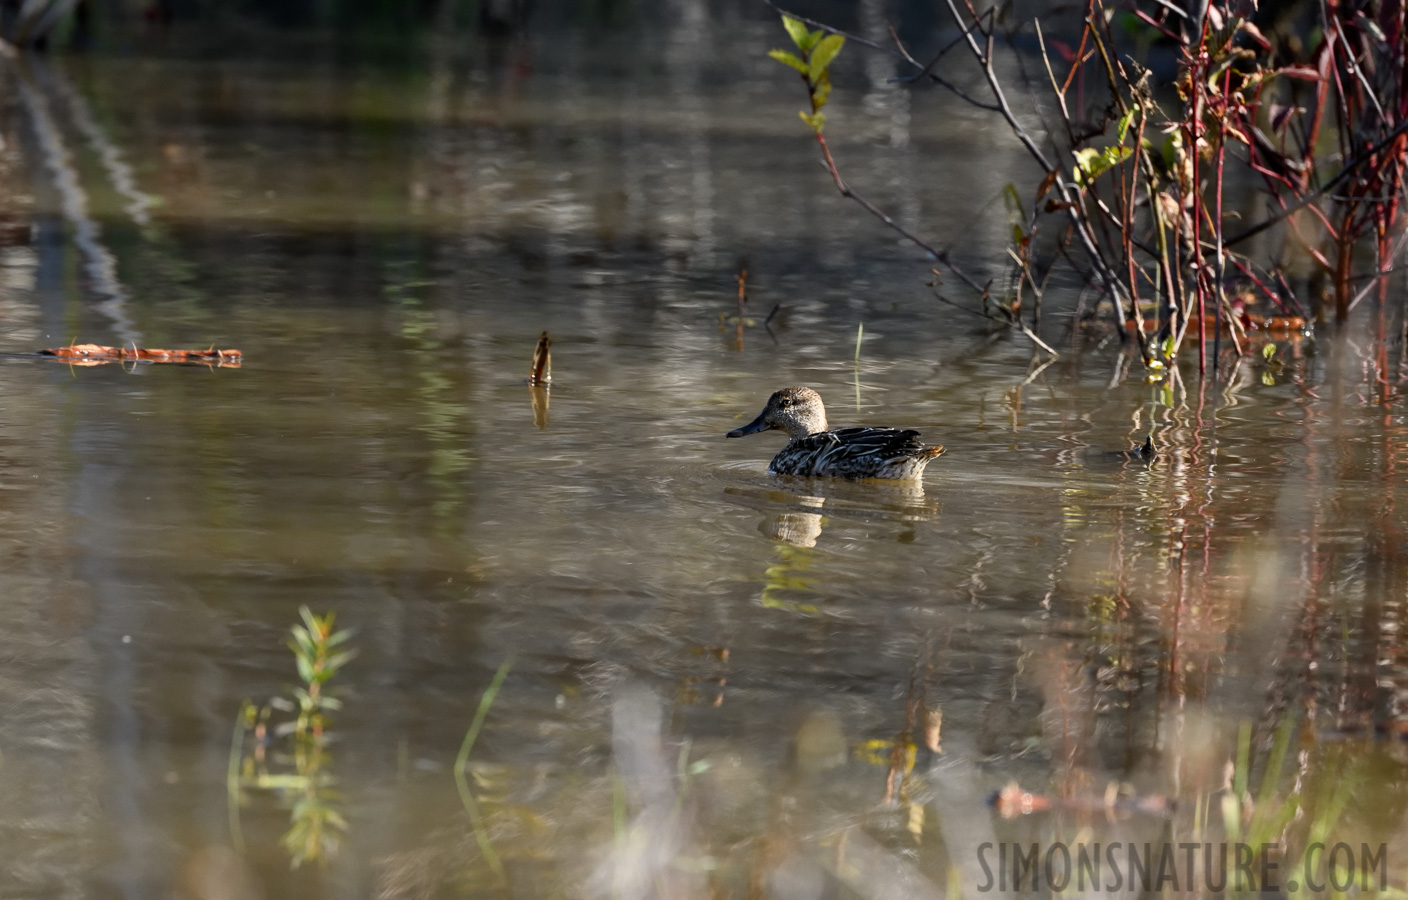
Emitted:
<point x="788" y="579"/>
<point x="795" y="527"/>
<point x="795" y="522"/>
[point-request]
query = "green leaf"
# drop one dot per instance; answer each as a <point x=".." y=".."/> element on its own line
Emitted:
<point x="1268" y="351"/>
<point x="797" y="30"/>
<point x="338" y="660"/>
<point x="340" y="636"/>
<point x="1013" y="201"/>
<point x="1170" y="151"/>
<point x="1012" y="198"/>
<point x="790" y="59"/>
<point x="1125" y="120"/>
<point x="1091" y="163"/>
<point x="821" y="90"/>
<point x="302" y="643"/>
<point x="305" y="668"/>
<point x="824" y="53"/>
<point x="817" y="121"/>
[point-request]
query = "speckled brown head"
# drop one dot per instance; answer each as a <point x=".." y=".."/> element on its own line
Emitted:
<point x="796" y="410"/>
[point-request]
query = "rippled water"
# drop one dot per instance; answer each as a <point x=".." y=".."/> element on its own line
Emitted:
<point x="385" y="245"/>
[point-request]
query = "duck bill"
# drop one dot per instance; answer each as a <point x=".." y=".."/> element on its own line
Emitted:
<point x="753" y="427"/>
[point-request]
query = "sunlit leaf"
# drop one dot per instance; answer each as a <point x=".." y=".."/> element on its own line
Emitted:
<point x="302" y="643"/>
<point x="824" y="53"/>
<point x="811" y="39"/>
<point x="1268" y="351"/>
<point x="340" y="637"/>
<point x="817" y="121"/>
<point x="875" y="751"/>
<point x="797" y="30"/>
<point x="821" y="90"/>
<point x="1091" y="163"/>
<point x="1172" y="145"/>
<point x="1125" y="121"/>
<point x="790" y="59"/>
<point x="308" y="618"/>
<point x="338" y="660"/>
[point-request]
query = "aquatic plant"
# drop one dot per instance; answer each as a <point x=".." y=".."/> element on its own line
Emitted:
<point x="471" y="807"/>
<point x="1318" y="120"/>
<point x="291" y="758"/>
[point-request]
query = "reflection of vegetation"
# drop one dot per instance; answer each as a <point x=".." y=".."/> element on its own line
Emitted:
<point x="315" y="824"/>
<point x="442" y="406"/>
<point x="789" y="574"/>
<point x="1297" y="820"/>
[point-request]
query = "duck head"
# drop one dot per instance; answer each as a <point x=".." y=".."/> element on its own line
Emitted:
<point x="795" y="410"/>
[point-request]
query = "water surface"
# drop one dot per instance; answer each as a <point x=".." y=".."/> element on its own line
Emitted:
<point x="709" y="665"/>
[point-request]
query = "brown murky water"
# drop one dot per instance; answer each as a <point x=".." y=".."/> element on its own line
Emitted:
<point x="710" y="667"/>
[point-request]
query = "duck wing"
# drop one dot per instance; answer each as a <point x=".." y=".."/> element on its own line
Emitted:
<point x="860" y="452"/>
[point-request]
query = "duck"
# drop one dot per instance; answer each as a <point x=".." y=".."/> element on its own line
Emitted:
<point x="816" y="451"/>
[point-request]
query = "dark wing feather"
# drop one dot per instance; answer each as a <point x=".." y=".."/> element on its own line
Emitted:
<point x="855" y="451"/>
<point x="885" y="443"/>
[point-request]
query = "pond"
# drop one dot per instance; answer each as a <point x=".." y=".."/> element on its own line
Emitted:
<point x="712" y="681"/>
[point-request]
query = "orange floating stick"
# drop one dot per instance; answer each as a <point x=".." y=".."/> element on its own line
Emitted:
<point x="96" y="354"/>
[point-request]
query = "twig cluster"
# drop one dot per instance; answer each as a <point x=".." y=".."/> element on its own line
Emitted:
<point x="1138" y="192"/>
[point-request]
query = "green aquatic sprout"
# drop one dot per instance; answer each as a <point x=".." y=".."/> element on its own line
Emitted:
<point x="316" y="824"/>
<point x="313" y="645"/>
<point x="471" y="808"/>
<point x="817" y="53"/>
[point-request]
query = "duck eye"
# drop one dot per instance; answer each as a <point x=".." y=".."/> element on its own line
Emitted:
<point x="785" y="403"/>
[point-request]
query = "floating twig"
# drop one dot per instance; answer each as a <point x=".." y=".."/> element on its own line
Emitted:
<point x="98" y="354"/>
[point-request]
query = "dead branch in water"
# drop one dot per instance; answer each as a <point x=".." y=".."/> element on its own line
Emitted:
<point x="541" y="371"/>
